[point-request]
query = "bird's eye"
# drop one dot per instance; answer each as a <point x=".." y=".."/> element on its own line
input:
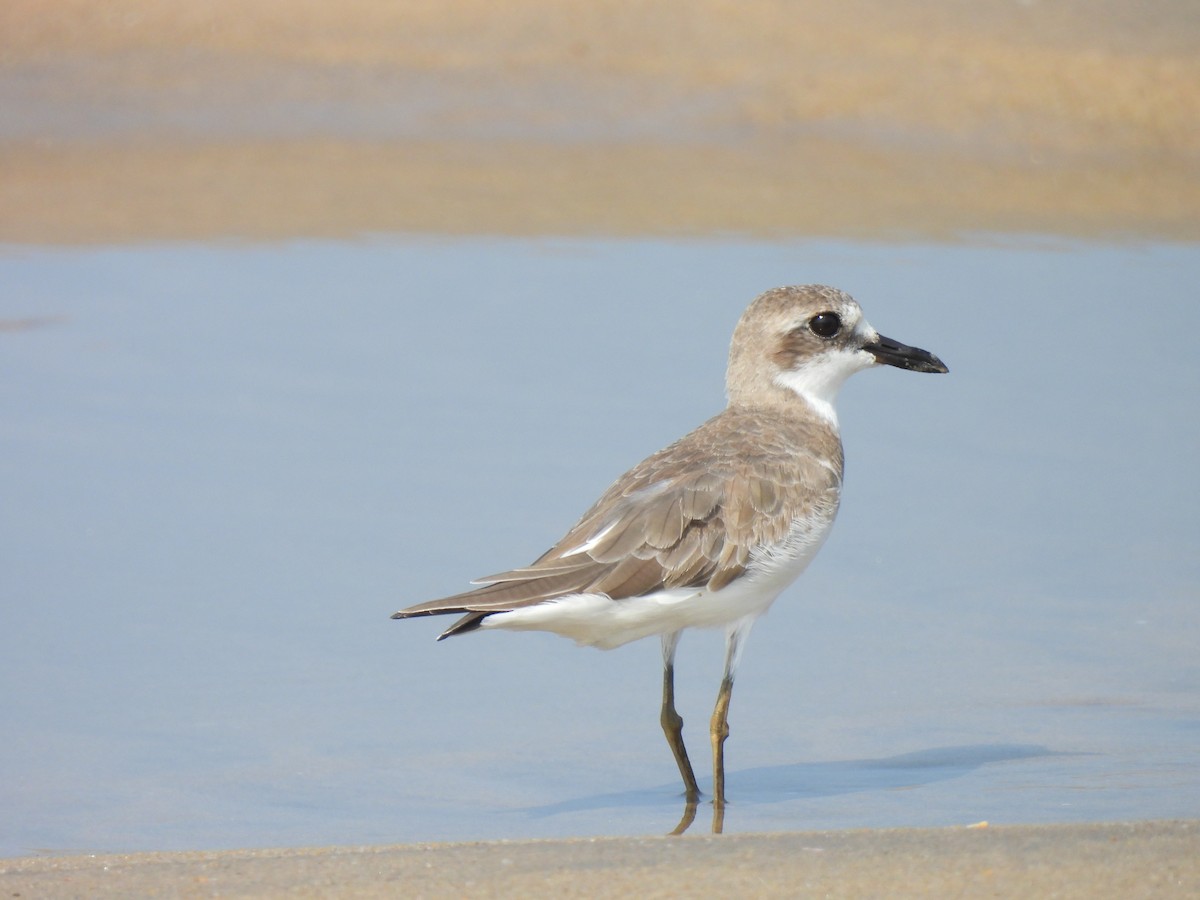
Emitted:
<point x="825" y="325"/>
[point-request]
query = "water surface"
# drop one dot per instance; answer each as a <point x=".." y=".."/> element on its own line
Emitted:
<point x="224" y="466"/>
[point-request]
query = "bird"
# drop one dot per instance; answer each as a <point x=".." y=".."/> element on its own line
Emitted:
<point x="707" y="532"/>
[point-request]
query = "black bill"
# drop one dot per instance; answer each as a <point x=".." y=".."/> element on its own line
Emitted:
<point x="902" y="356"/>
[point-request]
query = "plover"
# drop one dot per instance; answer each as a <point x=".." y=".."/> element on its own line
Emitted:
<point x="708" y="531"/>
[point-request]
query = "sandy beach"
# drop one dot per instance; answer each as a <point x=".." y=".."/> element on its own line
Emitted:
<point x="135" y="121"/>
<point x="1148" y="859"/>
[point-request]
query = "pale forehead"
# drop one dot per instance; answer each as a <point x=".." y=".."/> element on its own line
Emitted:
<point x="786" y="307"/>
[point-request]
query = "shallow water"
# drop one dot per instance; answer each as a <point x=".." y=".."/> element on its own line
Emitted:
<point x="226" y="465"/>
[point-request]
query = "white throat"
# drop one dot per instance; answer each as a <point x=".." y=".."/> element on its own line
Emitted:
<point x="818" y="382"/>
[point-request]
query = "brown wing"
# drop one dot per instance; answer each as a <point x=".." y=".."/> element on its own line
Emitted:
<point x="686" y="517"/>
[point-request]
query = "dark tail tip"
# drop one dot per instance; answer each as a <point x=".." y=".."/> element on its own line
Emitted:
<point x="469" y="622"/>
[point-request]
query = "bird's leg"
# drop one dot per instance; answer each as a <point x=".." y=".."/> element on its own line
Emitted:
<point x="719" y="730"/>
<point x="672" y="722"/>
<point x="719" y="726"/>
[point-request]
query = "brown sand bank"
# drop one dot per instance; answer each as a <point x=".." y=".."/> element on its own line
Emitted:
<point x="1149" y="859"/>
<point x="134" y="120"/>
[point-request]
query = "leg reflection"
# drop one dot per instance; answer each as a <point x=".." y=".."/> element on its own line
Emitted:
<point x="689" y="816"/>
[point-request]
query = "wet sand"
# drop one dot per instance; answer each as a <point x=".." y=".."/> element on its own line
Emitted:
<point x="1149" y="859"/>
<point x="135" y="121"/>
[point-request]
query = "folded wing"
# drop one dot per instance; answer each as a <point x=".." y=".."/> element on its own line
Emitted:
<point x="666" y="524"/>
